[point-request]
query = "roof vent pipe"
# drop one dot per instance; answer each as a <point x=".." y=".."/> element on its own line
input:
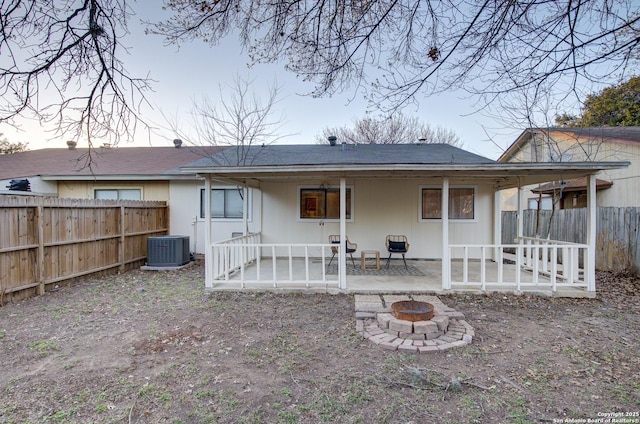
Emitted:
<point x="332" y="140"/>
<point x="71" y="144"/>
<point x="177" y="143"/>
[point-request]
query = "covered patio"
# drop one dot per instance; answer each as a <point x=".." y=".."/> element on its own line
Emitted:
<point x="284" y="270"/>
<point x="286" y="250"/>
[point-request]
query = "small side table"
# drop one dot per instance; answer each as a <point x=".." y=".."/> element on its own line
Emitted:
<point x="372" y="254"/>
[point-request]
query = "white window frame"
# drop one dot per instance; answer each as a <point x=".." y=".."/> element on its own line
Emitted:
<point x="249" y="203"/>
<point x="439" y="187"/>
<point x="96" y="189"/>
<point x="532" y="203"/>
<point x="299" y="218"/>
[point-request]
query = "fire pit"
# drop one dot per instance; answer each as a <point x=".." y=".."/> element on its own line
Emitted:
<point x="412" y="310"/>
<point x="398" y="322"/>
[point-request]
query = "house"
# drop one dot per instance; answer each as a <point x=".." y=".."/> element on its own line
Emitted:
<point x="132" y="173"/>
<point x="615" y="187"/>
<point x="444" y="199"/>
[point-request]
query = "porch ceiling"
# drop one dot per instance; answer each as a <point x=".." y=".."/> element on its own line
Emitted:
<point x="502" y="175"/>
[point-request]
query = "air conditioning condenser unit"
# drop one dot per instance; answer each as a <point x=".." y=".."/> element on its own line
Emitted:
<point x="168" y="251"/>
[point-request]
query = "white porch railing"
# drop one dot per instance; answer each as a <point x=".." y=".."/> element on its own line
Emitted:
<point x="546" y="252"/>
<point x="247" y="262"/>
<point x="539" y="263"/>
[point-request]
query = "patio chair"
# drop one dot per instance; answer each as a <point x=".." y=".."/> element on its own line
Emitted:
<point x="351" y="248"/>
<point x="397" y="244"/>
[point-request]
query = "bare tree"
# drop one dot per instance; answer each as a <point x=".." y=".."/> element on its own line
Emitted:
<point x="59" y="62"/>
<point x="238" y="118"/>
<point x="405" y="49"/>
<point x="547" y="143"/>
<point x="533" y="110"/>
<point x="396" y="129"/>
<point x="7" y="147"/>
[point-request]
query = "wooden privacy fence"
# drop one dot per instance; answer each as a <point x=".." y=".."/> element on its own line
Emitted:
<point x="46" y="240"/>
<point x="617" y="242"/>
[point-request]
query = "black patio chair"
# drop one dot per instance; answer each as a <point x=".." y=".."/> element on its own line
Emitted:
<point x="397" y="244"/>
<point x="351" y="248"/>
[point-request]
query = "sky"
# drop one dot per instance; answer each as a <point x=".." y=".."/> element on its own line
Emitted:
<point x="183" y="75"/>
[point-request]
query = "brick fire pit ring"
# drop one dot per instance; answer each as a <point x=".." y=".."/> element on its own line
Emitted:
<point x="412" y="310"/>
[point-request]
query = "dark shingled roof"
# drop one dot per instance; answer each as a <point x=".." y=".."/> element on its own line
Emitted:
<point x="624" y="133"/>
<point x="348" y="154"/>
<point x="141" y="161"/>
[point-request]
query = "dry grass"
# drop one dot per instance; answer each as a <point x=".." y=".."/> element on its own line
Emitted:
<point x="154" y="347"/>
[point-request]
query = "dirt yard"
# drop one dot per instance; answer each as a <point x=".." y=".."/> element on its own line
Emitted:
<point x="154" y="347"/>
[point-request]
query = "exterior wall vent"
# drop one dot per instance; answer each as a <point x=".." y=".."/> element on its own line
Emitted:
<point x="168" y="251"/>
<point x="19" y="185"/>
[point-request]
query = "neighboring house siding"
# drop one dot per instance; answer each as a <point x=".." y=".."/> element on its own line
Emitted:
<point x="150" y="190"/>
<point x="38" y="186"/>
<point x="565" y="147"/>
<point x="381" y="207"/>
<point x="625" y="191"/>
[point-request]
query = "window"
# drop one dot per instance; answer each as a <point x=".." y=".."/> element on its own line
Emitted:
<point x="461" y="203"/>
<point x="556" y="156"/>
<point x="118" y="193"/>
<point x="536" y="149"/>
<point x="322" y="203"/>
<point x="546" y="203"/>
<point x="225" y="203"/>
<point x="544" y="149"/>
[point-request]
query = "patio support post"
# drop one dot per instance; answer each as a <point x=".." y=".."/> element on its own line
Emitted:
<point x="342" y="260"/>
<point x="208" y="250"/>
<point x="245" y="209"/>
<point x="520" y="259"/>
<point x="497" y="223"/>
<point x="520" y="214"/>
<point x="590" y="265"/>
<point x="446" y="254"/>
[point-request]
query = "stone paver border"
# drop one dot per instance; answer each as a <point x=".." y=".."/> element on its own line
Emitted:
<point x="447" y="329"/>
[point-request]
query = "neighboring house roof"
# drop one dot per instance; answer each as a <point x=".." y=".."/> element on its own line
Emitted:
<point x="610" y="134"/>
<point x="576" y="184"/>
<point x="620" y="133"/>
<point x="102" y="163"/>
<point x="250" y="165"/>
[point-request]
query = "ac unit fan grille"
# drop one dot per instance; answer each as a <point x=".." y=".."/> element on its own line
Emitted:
<point x="168" y="251"/>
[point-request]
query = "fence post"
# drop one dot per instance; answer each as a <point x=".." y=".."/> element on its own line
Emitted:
<point x="41" y="267"/>
<point x="121" y="255"/>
